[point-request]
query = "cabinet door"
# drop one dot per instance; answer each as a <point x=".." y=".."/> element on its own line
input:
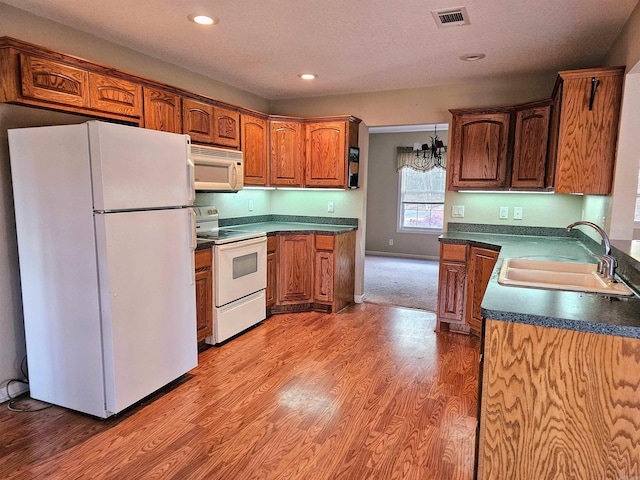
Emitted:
<point x="286" y="154"/>
<point x="295" y="269"/>
<point x="226" y="127"/>
<point x="530" y="147"/>
<point x="51" y="81"/>
<point x="478" y="158"/>
<point x="162" y="110"/>
<point x="254" y="138"/>
<point x="115" y="95"/>
<point x="197" y="118"/>
<point x="272" y="279"/>
<point x="451" y="282"/>
<point x="325" y="154"/>
<point x="204" y="294"/>
<point x="324" y="277"/>
<point x="480" y="268"/>
<point x="587" y="138"/>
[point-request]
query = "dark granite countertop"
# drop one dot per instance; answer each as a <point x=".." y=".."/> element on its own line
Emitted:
<point x="587" y="312"/>
<point x="273" y="228"/>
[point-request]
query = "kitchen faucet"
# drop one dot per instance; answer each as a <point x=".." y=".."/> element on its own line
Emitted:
<point x="607" y="264"/>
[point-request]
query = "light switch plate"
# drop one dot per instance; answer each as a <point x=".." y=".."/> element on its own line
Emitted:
<point x="517" y="213"/>
<point x="330" y="207"/>
<point x="504" y="213"/>
<point x="457" y="211"/>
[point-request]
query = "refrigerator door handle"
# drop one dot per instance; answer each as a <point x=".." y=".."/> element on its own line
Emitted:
<point x="194" y="243"/>
<point x="191" y="182"/>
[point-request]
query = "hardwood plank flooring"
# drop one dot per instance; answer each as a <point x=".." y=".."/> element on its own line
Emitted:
<point x="370" y="393"/>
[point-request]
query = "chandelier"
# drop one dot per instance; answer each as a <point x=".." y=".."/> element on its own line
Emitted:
<point x="430" y="154"/>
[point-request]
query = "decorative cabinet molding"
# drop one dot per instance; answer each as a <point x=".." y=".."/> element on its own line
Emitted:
<point x="162" y="110"/>
<point x="588" y="116"/>
<point x="255" y="146"/>
<point x="204" y="293"/>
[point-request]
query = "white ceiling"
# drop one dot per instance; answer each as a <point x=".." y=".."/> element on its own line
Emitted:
<point x="353" y="45"/>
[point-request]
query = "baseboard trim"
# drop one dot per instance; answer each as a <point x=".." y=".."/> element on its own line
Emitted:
<point x="15" y="389"/>
<point x="358" y="298"/>
<point x="401" y="255"/>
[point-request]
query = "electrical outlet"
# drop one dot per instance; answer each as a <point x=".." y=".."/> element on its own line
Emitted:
<point x="504" y="213"/>
<point x="457" y="211"/>
<point x="391" y="242"/>
<point x="330" y="207"/>
<point x="251" y="205"/>
<point x="517" y="213"/>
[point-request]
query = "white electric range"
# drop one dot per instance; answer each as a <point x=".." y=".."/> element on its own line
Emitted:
<point x="239" y="275"/>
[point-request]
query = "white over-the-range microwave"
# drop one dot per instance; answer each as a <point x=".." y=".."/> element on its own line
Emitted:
<point x="217" y="169"/>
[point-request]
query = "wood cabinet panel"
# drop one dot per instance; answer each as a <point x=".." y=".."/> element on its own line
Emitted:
<point x="478" y="153"/>
<point x="162" y="110"/>
<point x="226" y="127"/>
<point x="272" y="279"/>
<point x="530" y="147"/>
<point x="451" y="286"/>
<point x="324" y="277"/>
<point x="204" y="294"/>
<point x="52" y="81"/>
<point x="286" y="159"/>
<point x="295" y="272"/>
<point x="255" y="147"/>
<point x="479" y="270"/>
<point x="197" y="120"/>
<point x="326" y="164"/>
<point x="111" y="94"/>
<point x="587" y="136"/>
<point x="558" y="404"/>
<point x="344" y="270"/>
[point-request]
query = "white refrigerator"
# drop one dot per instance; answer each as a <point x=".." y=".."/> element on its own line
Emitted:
<point x="106" y="244"/>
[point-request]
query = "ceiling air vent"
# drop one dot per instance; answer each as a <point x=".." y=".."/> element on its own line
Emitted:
<point x="451" y="17"/>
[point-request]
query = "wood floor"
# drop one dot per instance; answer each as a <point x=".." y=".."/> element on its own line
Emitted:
<point x="370" y="393"/>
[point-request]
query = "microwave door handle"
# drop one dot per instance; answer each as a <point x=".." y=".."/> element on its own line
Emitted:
<point x="234" y="177"/>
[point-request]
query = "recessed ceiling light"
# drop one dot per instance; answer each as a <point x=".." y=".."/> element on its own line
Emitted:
<point x="203" y="19"/>
<point x="472" y="57"/>
<point x="307" y="76"/>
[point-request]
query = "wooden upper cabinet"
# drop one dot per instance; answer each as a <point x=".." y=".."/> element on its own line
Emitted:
<point x="45" y="79"/>
<point x="162" y="110"/>
<point x="286" y="160"/>
<point x="226" y="127"/>
<point x="197" y="118"/>
<point x="588" y="130"/>
<point x="255" y="145"/>
<point x="111" y="94"/>
<point x="325" y="154"/>
<point x="531" y="139"/>
<point x="478" y="149"/>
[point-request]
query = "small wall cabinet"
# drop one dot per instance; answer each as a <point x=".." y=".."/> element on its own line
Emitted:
<point x="286" y="159"/>
<point x="586" y="129"/>
<point x="255" y="146"/>
<point x="162" y="110"/>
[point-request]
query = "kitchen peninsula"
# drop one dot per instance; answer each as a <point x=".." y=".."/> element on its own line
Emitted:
<point x="560" y="370"/>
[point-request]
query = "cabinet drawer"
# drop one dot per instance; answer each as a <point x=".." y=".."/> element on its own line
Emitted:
<point x="452" y="252"/>
<point x="203" y="259"/>
<point x="272" y="244"/>
<point x="324" y="242"/>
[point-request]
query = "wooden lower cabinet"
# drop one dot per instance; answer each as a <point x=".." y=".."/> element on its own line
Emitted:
<point x="272" y="271"/>
<point x="557" y="404"/>
<point x="479" y="270"/>
<point x="204" y="293"/>
<point x="462" y="281"/>
<point x="310" y="272"/>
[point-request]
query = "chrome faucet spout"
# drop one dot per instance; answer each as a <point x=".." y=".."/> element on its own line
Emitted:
<point x="603" y="234"/>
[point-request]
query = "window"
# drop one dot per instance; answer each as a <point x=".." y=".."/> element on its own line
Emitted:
<point x="421" y="203"/>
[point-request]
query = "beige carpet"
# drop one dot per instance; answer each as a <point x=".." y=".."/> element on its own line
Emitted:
<point x="402" y="282"/>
